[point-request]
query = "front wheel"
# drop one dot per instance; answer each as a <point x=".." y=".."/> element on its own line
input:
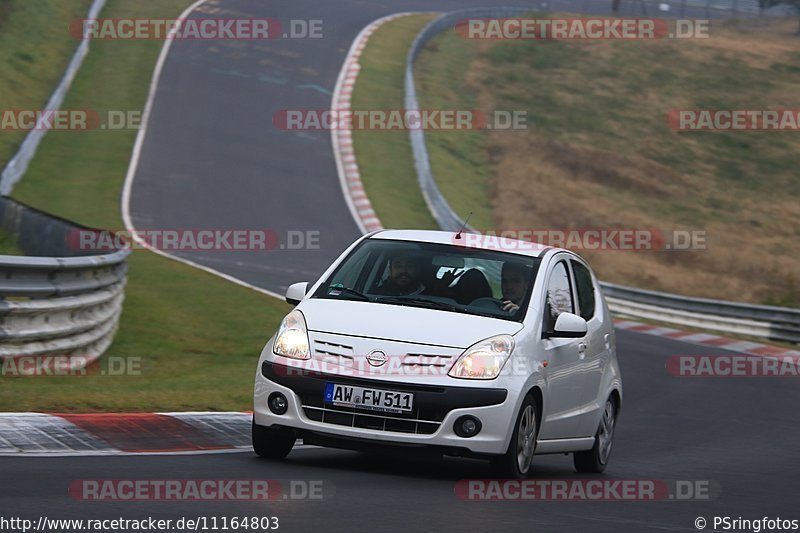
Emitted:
<point x="272" y="443"/>
<point x="516" y="462"/>
<point x="594" y="461"/>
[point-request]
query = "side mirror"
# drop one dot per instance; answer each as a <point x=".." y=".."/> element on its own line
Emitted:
<point x="568" y="326"/>
<point x="296" y="292"/>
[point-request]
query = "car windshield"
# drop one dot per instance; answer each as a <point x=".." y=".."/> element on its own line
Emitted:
<point x="451" y="278"/>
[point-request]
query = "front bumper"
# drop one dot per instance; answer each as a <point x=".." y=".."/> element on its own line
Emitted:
<point x="436" y="408"/>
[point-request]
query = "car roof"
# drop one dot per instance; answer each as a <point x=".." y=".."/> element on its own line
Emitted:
<point x="483" y="241"/>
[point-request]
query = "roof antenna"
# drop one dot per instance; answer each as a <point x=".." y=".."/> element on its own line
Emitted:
<point x="458" y="235"/>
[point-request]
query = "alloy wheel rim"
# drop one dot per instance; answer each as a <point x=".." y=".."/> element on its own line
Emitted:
<point x="606" y="435"/>
<point x="526" y="439"/>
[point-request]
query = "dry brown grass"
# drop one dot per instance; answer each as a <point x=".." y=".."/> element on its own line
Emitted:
<point x="627" y="170"/>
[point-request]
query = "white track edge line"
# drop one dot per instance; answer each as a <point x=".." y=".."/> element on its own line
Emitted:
<point x="134" y="163"/>
<point x="120" y="453"/>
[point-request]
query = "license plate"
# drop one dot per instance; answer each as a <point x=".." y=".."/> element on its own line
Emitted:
<point x="372" y="399"/>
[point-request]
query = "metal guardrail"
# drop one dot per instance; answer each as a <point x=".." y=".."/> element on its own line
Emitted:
<point x="767" y="322"/>
<point x="697" y="8"/>
<point x="55" y="301"/>
<point x="667" y="8"/>
<point x="445" y="217"/>
<point x="681" y="8"/>
<point x="774" y="323"/>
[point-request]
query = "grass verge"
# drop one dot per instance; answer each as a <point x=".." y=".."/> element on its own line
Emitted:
<point x="384" y="157"/>
<point x="195" y="336"/>
<point x="35" y="48"/>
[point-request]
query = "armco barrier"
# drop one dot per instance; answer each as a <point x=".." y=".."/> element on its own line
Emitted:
<point x="53" y="300"/>
<point x="444" y="215"/>
<point x="774" y="323"/>
<point x="763" y="321"/>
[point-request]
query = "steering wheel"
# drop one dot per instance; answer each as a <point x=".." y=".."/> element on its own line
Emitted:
<point x="493" y="304"/>
<point x="487" y="302"/>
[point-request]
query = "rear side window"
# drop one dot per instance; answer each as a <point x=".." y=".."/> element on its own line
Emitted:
<point x="559" y="295"/>
<point x="585" y="288"/>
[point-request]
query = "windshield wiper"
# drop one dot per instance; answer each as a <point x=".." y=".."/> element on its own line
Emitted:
<point x="421" y="302"/>
<point x="349" y="291"/>
<point x="433" y="304"/>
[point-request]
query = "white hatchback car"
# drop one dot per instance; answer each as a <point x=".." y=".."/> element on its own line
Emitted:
<point x="471" y="345"/>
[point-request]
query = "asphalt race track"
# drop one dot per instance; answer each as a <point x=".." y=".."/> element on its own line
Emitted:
<point x="741" y="435"/>
<point x="212" y="159"/>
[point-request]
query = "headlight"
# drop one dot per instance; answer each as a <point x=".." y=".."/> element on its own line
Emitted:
<point x="484" y="360"/>
<point x="292" y="338"/>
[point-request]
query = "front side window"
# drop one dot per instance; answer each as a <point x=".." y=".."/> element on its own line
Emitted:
<point x="558" y="295"/>
<point x="437" y="276"/>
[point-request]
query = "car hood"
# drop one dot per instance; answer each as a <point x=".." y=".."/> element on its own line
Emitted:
<point x="402" y="323"/>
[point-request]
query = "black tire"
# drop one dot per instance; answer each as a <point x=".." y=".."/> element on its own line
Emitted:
<point x="509" y="464"/>
<point x="272" y="443"/>
<point x="594" y="461"/>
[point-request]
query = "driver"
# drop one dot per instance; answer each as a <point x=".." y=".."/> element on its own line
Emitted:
<point x="514" y="284"/>
<point x="403" y="277"/>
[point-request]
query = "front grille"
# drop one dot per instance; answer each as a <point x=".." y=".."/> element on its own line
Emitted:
<point x="331" y="348"/>
<point x="421" y="360"/>
<point x="350" y="418"/>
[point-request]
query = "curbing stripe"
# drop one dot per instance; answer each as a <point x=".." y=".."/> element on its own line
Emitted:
<point x="96" y="434"/>
<point x="233" y="427"/>
<point x="706" y="339"/>
<point x="35" y="432"/>
<point x="145" y="432"/>
<point x="346" y="164"/>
